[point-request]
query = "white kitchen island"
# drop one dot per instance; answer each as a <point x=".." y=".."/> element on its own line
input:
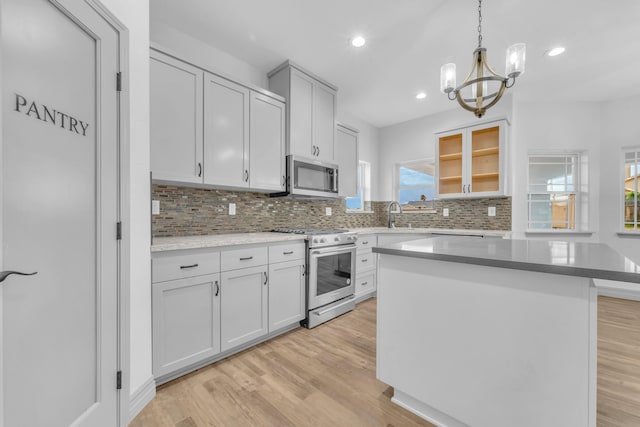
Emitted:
<point x="488" y="332"/>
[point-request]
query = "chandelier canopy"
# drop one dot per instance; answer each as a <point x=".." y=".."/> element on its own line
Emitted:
<point x="483" y="87"/>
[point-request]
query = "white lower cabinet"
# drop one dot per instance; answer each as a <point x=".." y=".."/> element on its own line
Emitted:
<point x="286" y="293"/>
<point x="244" y="310"/>
<point x="366" y="266"/>
<point x="186" y="322"/>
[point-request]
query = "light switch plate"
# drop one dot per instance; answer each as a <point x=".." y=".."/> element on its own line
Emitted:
<point x="445" y="211"/>
<point x="232" y="208"/>
<point x="492" y="211"/>
<point x="155" y="207"/>
<point x="327" y="211"/>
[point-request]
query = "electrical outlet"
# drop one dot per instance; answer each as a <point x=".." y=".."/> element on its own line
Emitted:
<point x="445" y="211"/>
<point x="327" y="211"/>
<point x="232" y="208"/>
<point x="155" y="207"/>
<point x="492" y="211"/>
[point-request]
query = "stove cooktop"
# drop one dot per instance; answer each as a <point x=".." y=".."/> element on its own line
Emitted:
<point x="329" y="236"/>
<point x="310" y="231"/>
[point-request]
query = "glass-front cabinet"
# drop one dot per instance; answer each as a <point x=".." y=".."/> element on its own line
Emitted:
<point x="631" y="205"/>
<point x="470" y="161"/>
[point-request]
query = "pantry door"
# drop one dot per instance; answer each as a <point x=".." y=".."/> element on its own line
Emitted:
<point x="59" y="210"/>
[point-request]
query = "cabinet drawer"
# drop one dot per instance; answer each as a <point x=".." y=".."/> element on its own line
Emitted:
<point x="365" y="261"/>
<point x="288" y="252"/>
<point x="366" y="241"/>
<point x="365" y="282"/>
<point x="243" y="258"/>
<point x="179" y="266"/>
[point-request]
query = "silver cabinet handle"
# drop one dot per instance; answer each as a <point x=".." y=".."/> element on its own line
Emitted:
<point x="246" y="175"/>
<point x="364" y="260"/>
<point x="469" y="188"/>
<point x="217" y="288"/>
<point x="287" y="253"/>
<point x="365" y="242"/>
<point x="5" y="274"/>
<point x="364" y="283"/>
<point x="183" y="267"/>
<point x="318" y="151"/>
<point x="199" y="169"/>
<point x="464" y="189"/>
<point x="314" y="150"/>
<point x="266" y="278"/>
<point x="246" y="258"/>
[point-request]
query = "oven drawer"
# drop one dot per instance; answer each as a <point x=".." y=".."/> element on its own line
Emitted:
<point x="366" y="261"/>
<point x="243" y="258"/>
<point x="169" y="266"/>
<point x="366" y="282"/>
<point x="367" y="241"/>
<point x="286" y="252"/>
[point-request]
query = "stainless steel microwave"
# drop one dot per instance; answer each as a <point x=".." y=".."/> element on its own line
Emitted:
<point x="311" y="178"/>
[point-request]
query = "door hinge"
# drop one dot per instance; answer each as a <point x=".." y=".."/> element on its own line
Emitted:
<point x="119" y="380"/>
<point x="119" y="81"/>
<point x="119" y="231"/>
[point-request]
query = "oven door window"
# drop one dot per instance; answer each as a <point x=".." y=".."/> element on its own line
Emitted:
<point x="334" y="273"/>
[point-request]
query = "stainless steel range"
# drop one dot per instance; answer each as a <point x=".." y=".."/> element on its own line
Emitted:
<point x="331" y="268"/>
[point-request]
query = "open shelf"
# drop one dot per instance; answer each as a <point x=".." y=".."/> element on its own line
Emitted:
<point x="485" y="151"/>
<point x="452" y="156"/>
<point x="485" y="175"/>
<point x="451" y="178"/>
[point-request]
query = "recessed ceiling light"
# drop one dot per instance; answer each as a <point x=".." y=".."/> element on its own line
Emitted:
<point x="358" y="41"/>
<point x="556" y="51"/>
<point x="421" y="95"/>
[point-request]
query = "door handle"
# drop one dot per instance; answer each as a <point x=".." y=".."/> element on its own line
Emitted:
<point x="318" y="151"/>
<point x="246" y="175"/>
<point x="5" y="274"/>
<point x="217" y="288"/>
<point x="266" y="278"/>
<point x="199" y="169"/>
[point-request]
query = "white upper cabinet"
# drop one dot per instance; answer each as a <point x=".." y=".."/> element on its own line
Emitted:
<point x="266" y="148"/>
<point x="346" y="152"/>
<point x="311" y="113"/>
<point x="226" y="132"/>
<point x="176" y="120"/>
<point x="207" y="129"/>
<point x="471" y="161"/>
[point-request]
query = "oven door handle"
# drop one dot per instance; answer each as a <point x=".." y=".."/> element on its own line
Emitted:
<point x="333" y="250"/>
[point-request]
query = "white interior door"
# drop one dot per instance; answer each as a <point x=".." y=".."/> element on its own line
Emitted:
<point x="58" y="338"/>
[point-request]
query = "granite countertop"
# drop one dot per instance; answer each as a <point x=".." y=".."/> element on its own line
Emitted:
<point x="594" y="260"/>
<point x="403" y="230"/>
<point x="161" y="244"/>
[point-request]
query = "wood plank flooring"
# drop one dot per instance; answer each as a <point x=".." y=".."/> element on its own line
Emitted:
<point x="326" y="377"/>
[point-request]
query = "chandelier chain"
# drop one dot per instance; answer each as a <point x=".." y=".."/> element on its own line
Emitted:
<point x="479" y="23"/>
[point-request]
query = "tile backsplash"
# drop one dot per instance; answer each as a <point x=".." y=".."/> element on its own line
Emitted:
<point x="186" y="211"/>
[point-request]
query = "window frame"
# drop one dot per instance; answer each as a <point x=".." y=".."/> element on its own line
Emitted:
<point x="622" y="198"/>
<point x="364" y="191"/>
<point x="396" y="181"/>
<point x="578" y="191"/>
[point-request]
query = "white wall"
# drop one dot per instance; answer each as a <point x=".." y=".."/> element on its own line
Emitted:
<point x="199" y="53"/>
<point x="135" y="16"/>
<point x="414" y="140"/>
<point x="620" y="128"/>
<point x="554" y="127"/>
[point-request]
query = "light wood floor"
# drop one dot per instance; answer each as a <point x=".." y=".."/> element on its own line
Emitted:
<point x="326" y="377"/>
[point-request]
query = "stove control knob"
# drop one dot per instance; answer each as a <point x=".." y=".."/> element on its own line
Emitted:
<point x="337" y="238"/>
<point x="316" y="240"/>
<point x="323" y="240"/>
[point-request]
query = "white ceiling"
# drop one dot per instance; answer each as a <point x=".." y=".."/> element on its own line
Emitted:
<point x="408" y="41"/>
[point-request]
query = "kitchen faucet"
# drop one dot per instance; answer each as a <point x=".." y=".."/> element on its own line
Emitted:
<point x="392" y="222"/>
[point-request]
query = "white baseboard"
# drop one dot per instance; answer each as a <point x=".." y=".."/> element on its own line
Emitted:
<point x="425" y="411"/>
<point x="141" y="397"/>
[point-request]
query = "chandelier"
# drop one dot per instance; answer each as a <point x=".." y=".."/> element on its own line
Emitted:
<point x="483" y="87"/>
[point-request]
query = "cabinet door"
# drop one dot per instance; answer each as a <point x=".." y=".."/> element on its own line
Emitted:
<point x="286" y="294"/>
<point x="266" y="150"/>
<point x="324" y="131"/>
<point x="301" y="115"/>
<point x="243" y="306"/>
<point x="226" y="132"/>
<point x="450" y="164"/>
<point x="347" y="156"/>
<point x="176" y="119"/>
<point x="186" y="322"/>
<point x="485" y="146"/>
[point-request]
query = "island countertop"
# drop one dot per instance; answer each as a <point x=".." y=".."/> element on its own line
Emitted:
<point x="582" y="259"/>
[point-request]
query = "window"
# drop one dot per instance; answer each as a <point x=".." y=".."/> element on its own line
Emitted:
<point x="631" y="188"/>
<point x="553" y="191"/>
<point x="416" y="185"/>
<point x="361" y="202"/>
